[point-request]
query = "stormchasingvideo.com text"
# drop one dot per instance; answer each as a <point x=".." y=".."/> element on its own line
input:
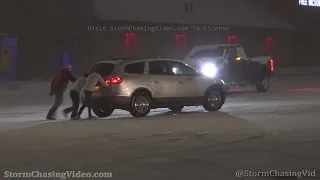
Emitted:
<point x="148" y="28"/>
<point x="56" y="175"/>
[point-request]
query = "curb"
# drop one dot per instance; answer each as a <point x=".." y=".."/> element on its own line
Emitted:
<point x="296" y="74"/>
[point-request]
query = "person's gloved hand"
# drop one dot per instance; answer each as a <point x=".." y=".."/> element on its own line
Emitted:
<point x="97" y="88"/>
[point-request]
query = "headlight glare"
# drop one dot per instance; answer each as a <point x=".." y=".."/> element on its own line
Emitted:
<point x="209" y="70"/>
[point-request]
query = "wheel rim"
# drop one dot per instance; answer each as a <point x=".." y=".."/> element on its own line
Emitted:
<point x="141" y="104"/>
<point x="265" y="83"/>
<point x="104" y="110"/>
<point x="214" y="99"/>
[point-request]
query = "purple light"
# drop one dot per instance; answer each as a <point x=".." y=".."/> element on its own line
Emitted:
<point x="65" y="59"/>
<point x="61" y="59"/>
<point x="13" y="46"/>
<point x="56" y="65"/>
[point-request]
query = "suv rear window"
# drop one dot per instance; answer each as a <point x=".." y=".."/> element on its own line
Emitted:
<point x="104" y="69"/>
<point x="135" y="68"/>
<point x="209" y="53"/>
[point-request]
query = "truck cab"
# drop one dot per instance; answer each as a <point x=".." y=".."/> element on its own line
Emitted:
<point x="232" y="64"/>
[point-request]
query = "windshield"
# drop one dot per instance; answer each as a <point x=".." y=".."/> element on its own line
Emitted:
<point x="209" y="53"/>
<point x="104" y="69"/>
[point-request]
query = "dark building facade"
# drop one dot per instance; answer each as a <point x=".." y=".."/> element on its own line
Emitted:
<point x="306" y="39"/>
<point x="83" y="32"/>
<point x="257" y="41"/>
<point x="44" y="35"/>
<point x="244" y="22"/>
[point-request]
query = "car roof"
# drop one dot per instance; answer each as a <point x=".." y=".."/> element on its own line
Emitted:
<point x="216" y="46"/>
<point x="196" y="49"/>
<point x="135" y="59"/>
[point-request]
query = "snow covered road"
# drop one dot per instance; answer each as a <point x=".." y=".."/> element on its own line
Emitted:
<point x="28" y="104"/>
<point x="277" y="130"/>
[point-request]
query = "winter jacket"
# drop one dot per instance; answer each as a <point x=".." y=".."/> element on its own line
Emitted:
<point x="61" y="80"/>
<point x="92" y="80"/>
<point x="78" y="85"/>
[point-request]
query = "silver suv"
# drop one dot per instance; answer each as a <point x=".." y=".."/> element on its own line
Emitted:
<point x="140" y="84"/>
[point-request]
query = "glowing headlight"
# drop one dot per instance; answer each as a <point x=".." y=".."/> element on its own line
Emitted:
<point x="174" y="70"/>
<point x="209" y="70"/>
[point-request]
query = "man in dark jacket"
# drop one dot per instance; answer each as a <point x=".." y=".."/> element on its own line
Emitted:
<point x="232" y="63"/>
<point x="58" y="86"/>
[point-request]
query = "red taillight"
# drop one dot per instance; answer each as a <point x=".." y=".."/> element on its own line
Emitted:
<point x="114" y="80"/>
<point x="271" y="65"/>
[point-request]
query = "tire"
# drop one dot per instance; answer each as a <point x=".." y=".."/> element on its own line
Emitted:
<point x="263" y="86"/>
<point x="142" y="98"/>
<point x="176" y="108"/>
<point x="226" y="88"/>
<point x="102" y="111"/>
<point x="213" y="99"/>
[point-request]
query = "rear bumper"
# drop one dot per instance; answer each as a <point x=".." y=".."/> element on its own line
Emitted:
<point x="117" y="102"/>
<point x="271" y="73"/>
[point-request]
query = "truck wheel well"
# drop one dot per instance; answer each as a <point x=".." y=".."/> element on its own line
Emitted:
<point x="140" y="90"/>
<point x="265" y="70"/>
<point x="220" y="89"/>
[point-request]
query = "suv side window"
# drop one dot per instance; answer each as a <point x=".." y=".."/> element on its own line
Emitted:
<point x="159" y="68"/>
<point x="104" y="69"/>
<point x="180" y="69"/>
<point x="135" y="68"/>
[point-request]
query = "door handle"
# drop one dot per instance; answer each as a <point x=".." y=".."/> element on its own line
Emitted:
<point x="155" y="81"/>
<point x="180" y="82"/>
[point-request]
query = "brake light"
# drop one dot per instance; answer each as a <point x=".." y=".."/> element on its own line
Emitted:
<point x="114" y="80"/>
<point x="271" y="65"/>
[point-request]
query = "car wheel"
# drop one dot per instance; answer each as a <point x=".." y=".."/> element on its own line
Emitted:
<point x="140" y="104"/>
<point x="213" y="100"/>
<point x="176" y="108"/>
<point x="103" y="111"/>
<point x="263" y="86"/>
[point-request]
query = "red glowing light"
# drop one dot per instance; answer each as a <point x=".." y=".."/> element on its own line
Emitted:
<point x="180" y="41"/>
<point x="233" y="40"/>
<point x="269" y="45"/>
<point x="114" y="80"/>
<point x="271" y="63"/>
<point x="130" y="42"/>
<point x="239" y="90"/>
<point x="305" y="89"/>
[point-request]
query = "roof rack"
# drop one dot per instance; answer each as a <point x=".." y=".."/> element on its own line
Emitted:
<point x="124" y="58"/>
<point x="120" y="58"/>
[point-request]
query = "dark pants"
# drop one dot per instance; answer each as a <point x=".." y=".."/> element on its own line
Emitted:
<point x="75" y="104"/>
<point x="86" y="103"/>
<point x="236" y="70"/>
<point x="57" y="102"/>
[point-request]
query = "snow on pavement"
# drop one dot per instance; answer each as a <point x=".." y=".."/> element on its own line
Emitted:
<point x="182" y="146"/>
<point x="29" y="102"/>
